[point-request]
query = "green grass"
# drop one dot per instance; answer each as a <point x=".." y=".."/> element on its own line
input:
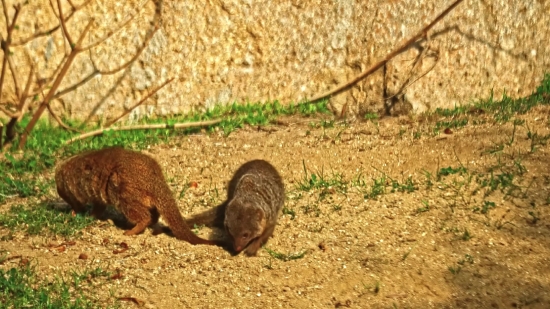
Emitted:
<point x="501" y="111"/>
<point x="290" y="212"/>
<point x="46" y="143"/>
<point x="285" y="257"/>
<point x="378" y="188"/>
<point x="22" y="172"/>
<point x="39" y="218"/>
<point x="20" y="287"/>
<point x="318" y="180"/>
<point x="424" y="208"/>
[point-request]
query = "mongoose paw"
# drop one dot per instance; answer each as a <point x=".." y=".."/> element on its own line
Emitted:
<point x="129" y="233"/>
<point x="252" y="249"/>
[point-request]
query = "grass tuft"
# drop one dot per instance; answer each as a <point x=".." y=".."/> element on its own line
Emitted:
<point x="37" y="218"/>
<point x="285" y="257"/>
<point x="21" y="288"/>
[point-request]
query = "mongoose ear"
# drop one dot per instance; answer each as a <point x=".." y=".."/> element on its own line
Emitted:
<point x="246" y="180"/>
<point x="261" y="217"/>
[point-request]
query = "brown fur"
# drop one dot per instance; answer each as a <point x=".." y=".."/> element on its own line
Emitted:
<point x="130" y="181"/>
<point x="255" y="197"/>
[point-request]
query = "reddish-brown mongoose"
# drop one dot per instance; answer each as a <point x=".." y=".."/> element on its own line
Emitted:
<point x="255" y="197"/>
<point x="130" y="181"/>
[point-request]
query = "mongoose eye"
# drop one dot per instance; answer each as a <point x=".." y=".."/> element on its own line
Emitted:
<point x="245" y="235"/>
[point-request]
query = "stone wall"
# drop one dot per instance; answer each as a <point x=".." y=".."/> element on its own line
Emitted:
<point x="221" y="51"/>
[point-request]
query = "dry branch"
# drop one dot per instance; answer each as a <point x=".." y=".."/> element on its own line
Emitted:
<point x="8" y="113"/>
<point x="5" y="45"/>
<point x="127" y="64"/>
<point x="14" y="77"/>
<point x="23" y="99"/>
<point x="145" y="127"/>
<point x="388" y="57"/>
<point x="52" y="30"/>
<point x="120" y="68"/>
<point x="21" y="107"/>
<point x="59" y="121"/>
<point x="54" y="87"/>
<point x="111" y="33"/>
<point x="139" y="103"/>
<point x="64" y="26"/>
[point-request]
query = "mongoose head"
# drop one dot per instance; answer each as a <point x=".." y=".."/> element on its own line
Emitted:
<point x="244" y="223"/>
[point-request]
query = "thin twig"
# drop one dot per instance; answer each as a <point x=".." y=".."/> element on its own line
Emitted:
<point x="4" y="62"/>
<point x="127" y="64"/>
<point x="98" y="105"/>
<point x="71" y="4"/>
<point x="73" y="87"/>
<point x="405" y="86"/>
<point x="8" y="113"/>
<point x="388" y="57"/>
<point x="52" y="30"/>
<point x="126" y="112"/>
<point x="60" y="122"/>
<point x="54" y="87"/>
<point x="22" y="106"/>
<point x="63" y="26"/>
<point x="111" y="33"/>
<point x="14" y="76"/>
<point x="44" y="83"/>
<point x="5" y="45"/>
<point x="111" y="72"/>
<point x="145" y="127"/>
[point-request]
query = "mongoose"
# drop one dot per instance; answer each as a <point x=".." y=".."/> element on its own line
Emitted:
<point x="130" y="181"/>
<point x="255" y="197"/>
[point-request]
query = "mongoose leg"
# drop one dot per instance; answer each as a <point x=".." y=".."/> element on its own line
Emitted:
<point x="98" y="210"/>
<point x="255" y="245"/>
<point x="138" y="228"/>
<point x="139" y="215"/>
<point x="76" y="206"/>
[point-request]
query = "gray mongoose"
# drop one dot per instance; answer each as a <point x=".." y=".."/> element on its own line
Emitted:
<point x="130" y="181"/>
<point x="255" y="197"/>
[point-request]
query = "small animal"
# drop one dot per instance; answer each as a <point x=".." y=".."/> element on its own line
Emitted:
<point x="255" y="197"/>
<point x="130" y="181"/>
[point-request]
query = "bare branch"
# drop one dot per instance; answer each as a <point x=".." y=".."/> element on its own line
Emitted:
<point x="118" y="28"/>
<point x="52" y="30"/>
<point x="136" y="56"/>
<point x="75" y="86"/>
<point x="388" y="57"/>
<point x="5" y="9"/>
<point x="22" y="106"/>
<point x="53" y="89"/>
<point x="60" y="122"/>
<point x="4" y="62"/>
<point x="5" y="45"/>
<point x="45" y="82"/>
<point x="139" y="103"/>
<point x="1" y="134"/>
<point x="111" y="72"/>
<point x="94" y="110"/>
<point x="145" y="127"/>
<point x="14" y="76"/>
<point x="8" y="113"/>
<point x="71" y="4"/>
<point x="63" y="26"/>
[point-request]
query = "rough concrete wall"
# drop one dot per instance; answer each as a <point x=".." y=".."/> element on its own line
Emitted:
<point x="221" y="51"/>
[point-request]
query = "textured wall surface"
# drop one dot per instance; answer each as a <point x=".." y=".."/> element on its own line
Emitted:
<point x="221" y="51"/>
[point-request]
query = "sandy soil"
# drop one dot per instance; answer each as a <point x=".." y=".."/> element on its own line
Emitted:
<point x="421" y="249"/>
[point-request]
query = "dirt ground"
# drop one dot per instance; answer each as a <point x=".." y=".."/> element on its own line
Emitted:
<point x="422" y="249"/>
